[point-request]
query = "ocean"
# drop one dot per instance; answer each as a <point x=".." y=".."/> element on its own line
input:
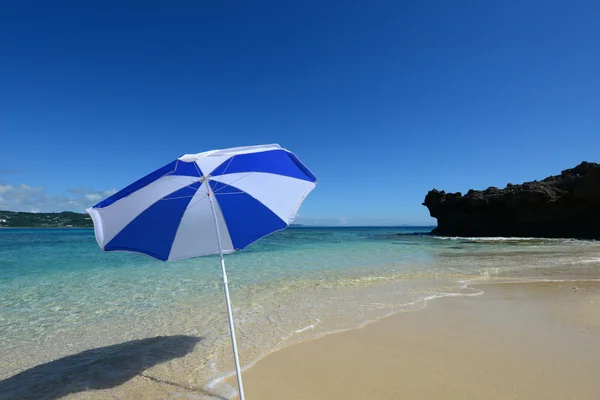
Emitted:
<point x="60" y="295"/>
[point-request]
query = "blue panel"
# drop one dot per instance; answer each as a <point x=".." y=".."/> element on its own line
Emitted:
<point x="176" y="167"/>
<point x="278" y="162"/>
<point x="247" y="219"/>
<point x="302" y="167"/>
<point x="153" y="231"/>
<point x="187" y="169"/>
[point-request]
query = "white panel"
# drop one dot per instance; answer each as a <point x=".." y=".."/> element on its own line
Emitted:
<point x="109" y="221"/>
<point x="208" y="164"/>
<point x="230" y="152"/>
<point x="197" y="235"/>
<point x="282" y="194"/>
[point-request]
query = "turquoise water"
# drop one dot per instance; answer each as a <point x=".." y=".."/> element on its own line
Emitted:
<point x="60" y="294"/>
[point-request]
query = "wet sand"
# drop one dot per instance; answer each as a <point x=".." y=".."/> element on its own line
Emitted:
<point x="516" y="341"/>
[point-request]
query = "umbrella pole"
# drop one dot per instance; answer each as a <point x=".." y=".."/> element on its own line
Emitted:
<point x="227" y="299"/>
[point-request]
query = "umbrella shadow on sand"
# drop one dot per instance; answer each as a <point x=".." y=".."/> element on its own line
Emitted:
<point x="95" y="369"/>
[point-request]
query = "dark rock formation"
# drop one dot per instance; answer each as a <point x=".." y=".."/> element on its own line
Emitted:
<point x="561" y="206"/>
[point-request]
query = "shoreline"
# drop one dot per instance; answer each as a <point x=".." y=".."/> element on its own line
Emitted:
<point x="229" y="377"/>
<point x="259" y="374"/>
<point x="277" y="367"/>
<point x="425" y="301"/>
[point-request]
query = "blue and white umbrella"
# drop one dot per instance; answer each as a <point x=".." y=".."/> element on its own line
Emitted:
<point x="214" y="202"/>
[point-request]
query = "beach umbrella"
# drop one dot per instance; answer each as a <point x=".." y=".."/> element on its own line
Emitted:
<point x="214" y="202"/>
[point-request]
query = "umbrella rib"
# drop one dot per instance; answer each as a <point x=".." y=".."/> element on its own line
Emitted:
<point x="175" y="198"/>
<point x="231" y="183"/>
<point x="199" y="200"/>
<point x="171" y="172"/>
<point x="228" y="164"/>
<point x="197" y="168"/>
<point x="200" y="172"/>
<point x="181" y="197"/>
<point x="219" y="189"/>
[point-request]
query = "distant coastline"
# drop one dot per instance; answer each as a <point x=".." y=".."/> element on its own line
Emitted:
<point x="65" y="219"/>
<point x="68" y="219"/>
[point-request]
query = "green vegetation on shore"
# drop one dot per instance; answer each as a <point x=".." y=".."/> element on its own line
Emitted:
<point x="65" y="219"/>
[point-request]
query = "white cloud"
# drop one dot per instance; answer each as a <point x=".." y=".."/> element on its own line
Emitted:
<point x="93" y="197"/>
<point x="24" y="197"/>
<point x="5" y="188"/>
<point x="29" y="188"/>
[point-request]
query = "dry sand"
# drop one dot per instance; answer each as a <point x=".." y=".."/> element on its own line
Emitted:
<point x="516" y="341"/>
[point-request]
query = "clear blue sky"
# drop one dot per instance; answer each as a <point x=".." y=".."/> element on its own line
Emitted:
<point x="383" y="100"/>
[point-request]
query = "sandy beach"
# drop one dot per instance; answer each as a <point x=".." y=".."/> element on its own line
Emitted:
<point x="516" y="341"/>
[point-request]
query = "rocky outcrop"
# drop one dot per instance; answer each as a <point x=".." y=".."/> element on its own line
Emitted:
<point x="561" y="206"/>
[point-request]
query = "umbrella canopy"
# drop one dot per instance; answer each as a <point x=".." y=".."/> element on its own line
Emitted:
<point x="167" y="214"/>
<point x="207" y="203"/>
